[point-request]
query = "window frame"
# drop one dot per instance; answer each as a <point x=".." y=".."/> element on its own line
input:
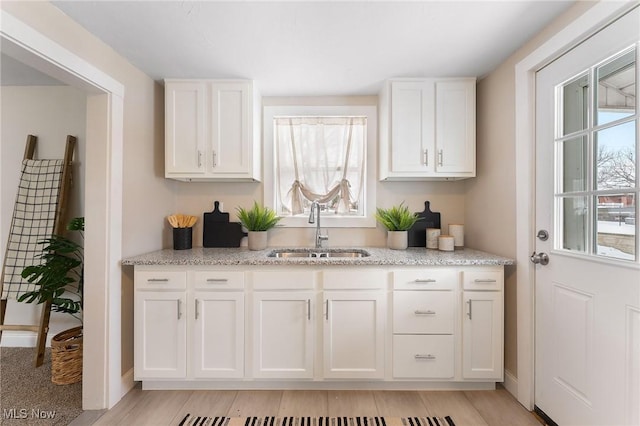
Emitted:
<point x="369" y="182"/>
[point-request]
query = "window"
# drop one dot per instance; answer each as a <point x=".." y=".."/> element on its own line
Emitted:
<point x="596" y="168"/>
<point x="325" y="154"/>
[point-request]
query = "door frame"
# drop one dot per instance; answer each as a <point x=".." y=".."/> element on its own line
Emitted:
<point x="598" y="16"/>
<point x="102" y="379"/>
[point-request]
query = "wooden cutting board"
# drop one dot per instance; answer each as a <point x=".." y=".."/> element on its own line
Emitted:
<point x="417" y="234"/>
<point x="218" y="231"/>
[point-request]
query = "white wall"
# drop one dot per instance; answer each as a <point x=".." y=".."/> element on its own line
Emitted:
<point x="50" y="113"/>
<point x="490" y="201"/>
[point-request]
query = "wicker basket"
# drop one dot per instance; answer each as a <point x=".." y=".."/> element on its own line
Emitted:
<point x="66" y="357"/>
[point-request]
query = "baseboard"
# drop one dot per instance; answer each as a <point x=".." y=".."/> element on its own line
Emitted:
<point x="17" y="339"/>
<point x="511" y="383"/>
<point x="127" y="383"/>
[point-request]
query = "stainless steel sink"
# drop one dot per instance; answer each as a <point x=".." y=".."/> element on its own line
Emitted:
<point x="317" y="253"/>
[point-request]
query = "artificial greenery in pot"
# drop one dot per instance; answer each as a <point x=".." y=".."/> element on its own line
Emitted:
<point x="398" y="220"/>
<point x="59" y="279"/>
<point x="257" y="220"/>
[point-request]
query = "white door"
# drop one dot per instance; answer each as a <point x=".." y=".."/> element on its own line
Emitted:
<point x="587" y="356"/>
<point x="218" y="334"/>
<point x="354" y="334"/>
<point x="283" y="334"/>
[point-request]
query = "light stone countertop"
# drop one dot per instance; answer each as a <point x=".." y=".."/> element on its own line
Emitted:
<point x="378" y="256"/>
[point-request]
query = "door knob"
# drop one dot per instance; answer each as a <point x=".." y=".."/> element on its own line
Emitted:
<point x="541" y="258"/>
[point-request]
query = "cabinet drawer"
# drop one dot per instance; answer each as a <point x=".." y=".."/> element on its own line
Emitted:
<point x="425" y="279"/>
<point x="159" y="280"/>
<point x="347" y="279"/>
<point x="483" y="279"/>
<point x="283" y="280"/>
<point x="424" y="357"/>
<point x="423" y="312"/>
<point x="218" y="280"/>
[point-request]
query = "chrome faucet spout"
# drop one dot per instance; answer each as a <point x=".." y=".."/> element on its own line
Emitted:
<point x="314" y="217"/>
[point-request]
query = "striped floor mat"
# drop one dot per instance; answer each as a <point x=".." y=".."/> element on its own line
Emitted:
<point x="192" y="420"/>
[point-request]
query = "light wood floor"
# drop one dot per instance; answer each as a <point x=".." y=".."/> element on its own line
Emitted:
<point x="140" y="407"/>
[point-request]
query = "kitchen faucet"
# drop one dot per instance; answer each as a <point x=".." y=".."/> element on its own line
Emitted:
<point x="315" y="208"/>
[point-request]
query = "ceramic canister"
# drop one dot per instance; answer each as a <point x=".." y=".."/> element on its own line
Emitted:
<point x="445" y="243"/>
<point x="432" y="237"/>
<point x="457" y="232"/>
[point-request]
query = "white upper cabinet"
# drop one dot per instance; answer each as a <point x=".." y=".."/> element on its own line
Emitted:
<point x="212" y="130"/>
<point x="427" y="129"/>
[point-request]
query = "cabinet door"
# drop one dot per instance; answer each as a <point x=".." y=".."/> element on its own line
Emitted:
<point x="283" y="334"/>
<point x="185" y="128"/>
<point x="455" y="126"/>
<point x="482" y="335"/>
<point x="160" y="335"/>
<point x="230" y="105"/>
<point x="412" y="127"/>
<point x="354" y="325"/>
<point x="218" y="334"/>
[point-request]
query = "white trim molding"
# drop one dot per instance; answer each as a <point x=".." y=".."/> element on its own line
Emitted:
<point x="584" y="26"/>
<point x="103" y="384"/>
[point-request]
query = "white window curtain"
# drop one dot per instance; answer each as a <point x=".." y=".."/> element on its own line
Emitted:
<point x="320" y="158"/>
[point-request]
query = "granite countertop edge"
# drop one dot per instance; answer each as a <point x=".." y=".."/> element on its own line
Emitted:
<point x="416" y="256"/>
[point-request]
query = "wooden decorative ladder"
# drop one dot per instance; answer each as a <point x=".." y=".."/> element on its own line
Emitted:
<point x="18" y="254"/>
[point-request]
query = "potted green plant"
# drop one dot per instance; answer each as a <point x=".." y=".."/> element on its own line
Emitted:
<point x="257" y="220"/>
<point x="59" y="279"/>
<point x="398" y="220"/>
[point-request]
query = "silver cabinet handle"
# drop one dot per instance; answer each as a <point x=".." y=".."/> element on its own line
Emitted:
<point x="485" y="281"/>
<point x="214" y="159"/>
<point x="469" y="303"/>
<point x="199" y="158"/>
<point x="426" y="157"/>
<point x="440" y="158"/>
<point x="197" y="310"/>
<point x="429" y="312"/>
<point x="158" y="280"/>
<point x="424" y="281"/>
<point x="326" y="312"/>
<point x="425" y="356"/>
<point x="179" y="304"/>
<point x="309" y="309"/>
<point x="217" y="280"/>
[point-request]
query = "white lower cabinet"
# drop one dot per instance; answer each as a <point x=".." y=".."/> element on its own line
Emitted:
<point x="442" y="324"/>
<point x="189" y="328"/>
<point x="482" y="335"/>
<point x="483" y="324"/>
<point x="283" y="334"/>
<point x="354" y="334"/>
<point x="160" y="334"/>
<point x="217" y="349"/>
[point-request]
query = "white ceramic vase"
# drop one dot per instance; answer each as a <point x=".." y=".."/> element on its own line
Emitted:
<point x="257" y="240"/>
<point x="397" y="240"/>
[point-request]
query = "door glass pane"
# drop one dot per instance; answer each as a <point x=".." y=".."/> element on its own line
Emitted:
<point x="616" y="89"/>
<point x="615" y="227"/>
<point x="574" y="164"/>
<point x="574" y="223"/>
<point x="575" y="97"/>
<point x="616" y="157"/>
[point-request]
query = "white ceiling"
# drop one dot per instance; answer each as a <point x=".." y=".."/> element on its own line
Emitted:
<point x="297" y="48"/>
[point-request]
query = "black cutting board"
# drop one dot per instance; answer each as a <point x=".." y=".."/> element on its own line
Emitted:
<point x="418" y="232"/>
<point x="218" y="231"/>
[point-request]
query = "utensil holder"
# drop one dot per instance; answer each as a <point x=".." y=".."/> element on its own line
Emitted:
<point x="182" y="238"/>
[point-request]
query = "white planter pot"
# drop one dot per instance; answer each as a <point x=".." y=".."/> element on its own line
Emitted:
<point x="397" y="240"/>
<point x="257" y="240"/>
